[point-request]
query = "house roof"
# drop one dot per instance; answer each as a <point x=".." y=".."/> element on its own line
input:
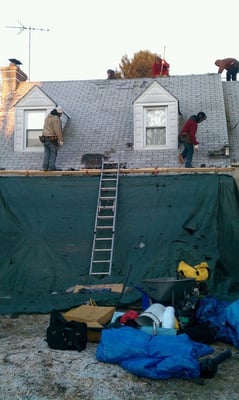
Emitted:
<point x="102" y="121"/>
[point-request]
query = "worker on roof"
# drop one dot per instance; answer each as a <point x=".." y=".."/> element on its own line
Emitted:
<point x="231" y="65"/>
<point x="52" y="138"/>
<point x="111" y="74"/>
<point x="160" y="67"/>
<point x="188" y="138"/>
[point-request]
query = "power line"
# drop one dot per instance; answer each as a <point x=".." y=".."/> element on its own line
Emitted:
<point x="21" y="28"/>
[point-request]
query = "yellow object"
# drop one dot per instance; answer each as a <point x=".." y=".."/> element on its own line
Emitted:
<point x="94" y="316"/>
<point x="202" y="271"/>
<point x="92" y="302"/>
<point x="199" y="272"/>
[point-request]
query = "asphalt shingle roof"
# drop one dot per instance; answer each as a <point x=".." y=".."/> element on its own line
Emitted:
<point x="101" y="120"/>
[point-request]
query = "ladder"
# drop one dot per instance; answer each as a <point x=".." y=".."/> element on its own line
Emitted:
<point x="104" y="230"/>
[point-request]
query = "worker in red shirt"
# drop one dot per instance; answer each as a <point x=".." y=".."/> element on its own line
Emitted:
<point x="231" y="65"/>
<point x="160" y="67"/>
<point x="187" y="136"/>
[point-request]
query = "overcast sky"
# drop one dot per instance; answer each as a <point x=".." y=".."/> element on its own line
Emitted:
<point x="81" y="39"/>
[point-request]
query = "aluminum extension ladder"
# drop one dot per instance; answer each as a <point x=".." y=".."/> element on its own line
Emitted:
<point x="104" y="230"/>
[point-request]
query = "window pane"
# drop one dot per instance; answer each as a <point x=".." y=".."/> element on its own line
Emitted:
<point x="155" y="136"/>
<point x="32" y="138"/>
<point x="34" y="120"/>
<point x="156" y="117"/>
<point x="155" y="126"/>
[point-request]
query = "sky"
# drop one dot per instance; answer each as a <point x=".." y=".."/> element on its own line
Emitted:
<point x="81" y="40"/>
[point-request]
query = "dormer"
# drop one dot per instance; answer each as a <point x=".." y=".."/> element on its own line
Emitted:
<point x="156" y="119"/>
<point x="30" y="113"/>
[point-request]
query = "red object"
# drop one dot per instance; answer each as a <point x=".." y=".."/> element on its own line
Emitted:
<point x="129" y="315"/>
<point x="190" y="129"/>
<point x="160" y="67"/>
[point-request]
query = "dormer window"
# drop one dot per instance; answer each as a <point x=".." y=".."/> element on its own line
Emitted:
<point x="30" y="113"/>
<point x="155" y="126"/>
<point x="155" y="119"/>
<point x="28" y="128"/>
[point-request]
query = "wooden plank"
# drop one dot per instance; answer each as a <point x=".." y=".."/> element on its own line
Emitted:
<point x="123" y="171"/>
<point x="115" y="287"/>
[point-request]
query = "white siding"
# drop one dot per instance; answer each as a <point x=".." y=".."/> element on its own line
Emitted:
<point x="156" y="95"/>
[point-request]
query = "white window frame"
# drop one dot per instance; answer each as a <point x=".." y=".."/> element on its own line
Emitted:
<point x="155" y="96"/>
<point x="147" y="126"/>
<point x="27" y="114"/>
<point x="20" y="135"/>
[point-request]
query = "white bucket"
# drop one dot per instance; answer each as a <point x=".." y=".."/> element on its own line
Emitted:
<point x="152" y="316"/>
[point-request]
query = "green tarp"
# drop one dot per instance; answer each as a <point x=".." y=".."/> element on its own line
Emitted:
<point x="47" y="225"/>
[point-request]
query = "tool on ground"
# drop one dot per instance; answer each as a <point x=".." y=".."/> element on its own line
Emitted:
<point x="124" y="286"/>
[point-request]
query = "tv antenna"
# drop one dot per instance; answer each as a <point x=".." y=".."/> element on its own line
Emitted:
<point x="21" y="28"/>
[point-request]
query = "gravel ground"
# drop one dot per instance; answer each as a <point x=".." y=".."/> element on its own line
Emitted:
<point x="30" y="370"/>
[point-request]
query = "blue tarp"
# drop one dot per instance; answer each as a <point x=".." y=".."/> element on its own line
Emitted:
<point x="156" y="357"/>
<point x="223" y="316"/>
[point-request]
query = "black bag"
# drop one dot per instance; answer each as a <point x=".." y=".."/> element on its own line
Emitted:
<point x="42" y="139"/>
<point x="203" y="333"/>
<point x="66" y="335"/>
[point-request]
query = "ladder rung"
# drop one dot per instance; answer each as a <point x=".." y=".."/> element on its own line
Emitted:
<point x="104" y="227"/>
<point x="108" y="188"/>
<point x="109" y="179"/>
<point x="99" y="250"/>
<point x="100" y="261"/>
<point x="110" y="163"/>
<point x="107" y="207"/>
<point x="107" y="197"/>
<point x="105" y="217"/>
<point x="104" y="238"/>
<point x="101" y="273"/>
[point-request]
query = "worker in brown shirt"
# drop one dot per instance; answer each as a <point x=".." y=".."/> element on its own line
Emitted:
<point x="231" y="65"/>
<point x="52" y="133"/>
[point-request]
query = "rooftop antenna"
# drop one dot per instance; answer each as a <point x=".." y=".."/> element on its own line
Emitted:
<point x="21" y="28"/>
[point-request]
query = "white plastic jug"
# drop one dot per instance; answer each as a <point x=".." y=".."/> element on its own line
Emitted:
<point x="168" y="318"/>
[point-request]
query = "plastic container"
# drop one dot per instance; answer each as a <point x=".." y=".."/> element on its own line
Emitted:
<point x="169" y="318"/>
<point x="152" y="316"/>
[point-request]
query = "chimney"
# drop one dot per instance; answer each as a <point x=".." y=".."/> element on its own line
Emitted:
<point x="11" y="77"/>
